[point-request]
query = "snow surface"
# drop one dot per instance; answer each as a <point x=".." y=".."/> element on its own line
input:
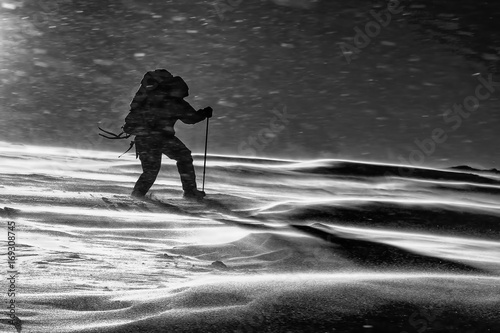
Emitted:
<point x="277" y="246"/>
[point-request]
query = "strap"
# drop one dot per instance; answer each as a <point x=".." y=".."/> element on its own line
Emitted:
<point x="114" y="136"/>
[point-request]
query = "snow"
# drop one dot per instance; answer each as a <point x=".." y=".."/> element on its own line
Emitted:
<point x="278" y="245"/>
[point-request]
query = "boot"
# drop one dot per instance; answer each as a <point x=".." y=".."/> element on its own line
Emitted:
<point x="188" y="180"/>
<point x="194" y="194"/>
<point x="138" y="195"/>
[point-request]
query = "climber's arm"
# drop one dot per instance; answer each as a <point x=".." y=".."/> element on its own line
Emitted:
<point x="191" y="116"/>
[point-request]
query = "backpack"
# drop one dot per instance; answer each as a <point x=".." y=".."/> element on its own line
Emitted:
<point x="139" y="121"/>
<point x="141" y="118"/>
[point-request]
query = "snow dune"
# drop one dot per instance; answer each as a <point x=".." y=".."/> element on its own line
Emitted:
<point x="277" y="246"/>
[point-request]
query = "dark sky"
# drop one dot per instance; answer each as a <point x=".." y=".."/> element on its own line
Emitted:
<point x="285" y="78"/>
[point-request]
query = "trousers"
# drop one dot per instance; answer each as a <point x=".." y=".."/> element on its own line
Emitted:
<point x="150" y="150"/>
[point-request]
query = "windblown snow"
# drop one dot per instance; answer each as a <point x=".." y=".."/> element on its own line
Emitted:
<point x="277" y="246"/>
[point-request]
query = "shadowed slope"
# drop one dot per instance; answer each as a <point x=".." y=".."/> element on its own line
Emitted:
<point x="383" y="256"/>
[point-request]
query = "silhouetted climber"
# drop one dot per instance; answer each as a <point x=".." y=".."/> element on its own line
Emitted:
<point x="155" y="109"/>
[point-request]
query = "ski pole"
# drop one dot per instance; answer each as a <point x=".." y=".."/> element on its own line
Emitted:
<point x="205" y="161"/>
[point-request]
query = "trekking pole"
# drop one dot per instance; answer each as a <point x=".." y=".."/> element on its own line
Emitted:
<point x="205" y="161"/>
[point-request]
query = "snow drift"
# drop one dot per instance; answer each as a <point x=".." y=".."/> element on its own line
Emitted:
<point x="277" y="246"/>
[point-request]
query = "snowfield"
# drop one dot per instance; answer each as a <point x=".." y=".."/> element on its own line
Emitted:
<point x="277" y="246"/>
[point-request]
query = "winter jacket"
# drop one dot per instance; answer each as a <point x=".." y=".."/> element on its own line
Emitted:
<point x="166" y="110"/>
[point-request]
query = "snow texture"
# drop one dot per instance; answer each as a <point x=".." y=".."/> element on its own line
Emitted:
<point x="277" y="246"/>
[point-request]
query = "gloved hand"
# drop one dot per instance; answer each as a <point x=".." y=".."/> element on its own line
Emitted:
<point x="208" y="112"/>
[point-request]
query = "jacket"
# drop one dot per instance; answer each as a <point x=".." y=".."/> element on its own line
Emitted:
<point x="166" y="110"/>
